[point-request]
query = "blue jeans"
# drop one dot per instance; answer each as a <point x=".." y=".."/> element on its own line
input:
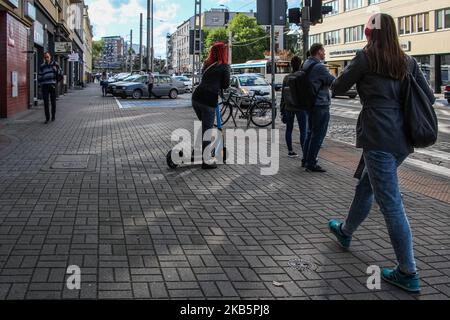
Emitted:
<point x="319" y="119"/>
<point x="379" y="181"/>
<point x="302" y="119"/>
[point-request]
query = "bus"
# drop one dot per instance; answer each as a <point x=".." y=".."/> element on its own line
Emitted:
<point x="263" y="67"/>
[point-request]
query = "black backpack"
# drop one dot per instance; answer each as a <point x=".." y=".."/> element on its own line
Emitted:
<point x="421" y="122"/>
<point x="301" y="91"/>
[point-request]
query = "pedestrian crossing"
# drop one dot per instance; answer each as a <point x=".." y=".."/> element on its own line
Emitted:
<point x="352" y="109"/>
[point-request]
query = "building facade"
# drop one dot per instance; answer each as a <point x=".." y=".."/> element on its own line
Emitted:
<point x="16" y="20"/>
<point x="87" y="45"/>
<point x="423" y="27"/>
<point x="113" y="53"/>
<point x="179" y="59"/>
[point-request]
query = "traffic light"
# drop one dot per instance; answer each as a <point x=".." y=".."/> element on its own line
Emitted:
<point x="316" y="11"/>
<point x="295" y="15"/>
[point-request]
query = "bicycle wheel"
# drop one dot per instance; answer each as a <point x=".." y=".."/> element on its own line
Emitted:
<point x="225" y="111"/>
<point x="261" y="114"/>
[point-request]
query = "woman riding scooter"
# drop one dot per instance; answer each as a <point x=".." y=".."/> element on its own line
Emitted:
<point x="215" y="77"/>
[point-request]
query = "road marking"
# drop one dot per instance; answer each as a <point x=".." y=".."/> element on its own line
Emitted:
<point x="118" y="103"/>
<point x="441" y="171"/>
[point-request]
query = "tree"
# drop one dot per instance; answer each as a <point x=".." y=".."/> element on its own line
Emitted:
<point x="97" y="50"/>
<point x="212" y="36"/>
<point x="249" y="39"/>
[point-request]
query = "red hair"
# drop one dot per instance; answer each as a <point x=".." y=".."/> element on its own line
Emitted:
<point x="218" y="53"/>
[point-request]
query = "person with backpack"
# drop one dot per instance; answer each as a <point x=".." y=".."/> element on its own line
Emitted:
<point x="290" y="111"/>
<point x="215" y="78"/>
<point x="320" y="80"/>
<point x="48" y="76"/>
<point x="380" y="72"/>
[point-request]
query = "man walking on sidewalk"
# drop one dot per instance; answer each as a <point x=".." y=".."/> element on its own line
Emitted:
<point x="49" y="73"/>
<point x="319" y="117"/>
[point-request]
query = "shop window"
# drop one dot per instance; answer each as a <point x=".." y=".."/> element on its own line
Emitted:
<point x="445" y="69"/>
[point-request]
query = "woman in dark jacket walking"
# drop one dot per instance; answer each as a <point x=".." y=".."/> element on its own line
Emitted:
<point x="379" y="71"/>
<point x="215" y="77"/>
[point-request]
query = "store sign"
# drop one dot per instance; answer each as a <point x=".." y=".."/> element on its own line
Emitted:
<point x="338" y="53"/>
<point x="406" y="46"/>
<point x="74" y="57"/>
<point x="63" y="47"/>
<point x="38" y="33"/>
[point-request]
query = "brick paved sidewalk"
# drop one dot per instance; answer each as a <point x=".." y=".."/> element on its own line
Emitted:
<point x="139" y="230"/>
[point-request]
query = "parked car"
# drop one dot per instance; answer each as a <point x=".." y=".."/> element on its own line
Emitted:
<point x="112" y="86"/>
<point x="352" y="93"/>
<point x="245" y="84"/>
<point x="187" y="82"/>
<point x="447" y="93"/>
<point x="117" y="78"/>
<point x="163" y="85"/>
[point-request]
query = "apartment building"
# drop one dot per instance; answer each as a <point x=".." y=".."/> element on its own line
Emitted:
<point x="87" y="45"/>
<point x="178" y="56"/>
<point x="113" y="52"/>
<point x="423" y="27"/>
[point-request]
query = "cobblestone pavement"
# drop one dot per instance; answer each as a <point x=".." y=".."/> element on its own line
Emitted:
<point x="139" y="230"/>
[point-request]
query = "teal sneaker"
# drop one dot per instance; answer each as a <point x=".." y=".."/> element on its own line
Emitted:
<point x="410" y="283"/>
<point x="335" y="228"/>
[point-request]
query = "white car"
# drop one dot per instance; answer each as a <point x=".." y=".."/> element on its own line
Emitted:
<point x="187" y="82"/>
<point x="245" y="84"/>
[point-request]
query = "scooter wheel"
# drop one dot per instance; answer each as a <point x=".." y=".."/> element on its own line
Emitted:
<point x="170" y="163"/>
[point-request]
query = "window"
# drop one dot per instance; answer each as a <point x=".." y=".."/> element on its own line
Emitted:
<point x="315" y="38"/>
<point x="443" y="19"/>
<point x="353" y="4"/>
<point x="414" y="24"/>
<point x="332" y="37"/>
<point x="375" y="1"/>
<point x="354" y="34"/>
<point x="335" y="5"/>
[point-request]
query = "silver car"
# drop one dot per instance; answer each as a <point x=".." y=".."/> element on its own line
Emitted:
<point x="163" y="85"/>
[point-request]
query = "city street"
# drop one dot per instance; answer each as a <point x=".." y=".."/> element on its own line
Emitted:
<point x="93" y="190"/>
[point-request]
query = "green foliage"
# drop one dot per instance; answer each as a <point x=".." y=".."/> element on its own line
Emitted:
<point x="212" y="36"/>
<point x="97" y="49"/>
<point x="249" y="39"/>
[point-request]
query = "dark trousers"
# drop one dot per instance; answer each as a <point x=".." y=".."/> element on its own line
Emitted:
<point x="150" y="90"/>
<point x="49" y="91"/>
<point x="302" y="119"/>
<point x="319" y="119"/>
<point x="207" y="116"/>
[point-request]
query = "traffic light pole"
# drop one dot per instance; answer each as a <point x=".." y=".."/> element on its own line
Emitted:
<point x="272" y="47"/>
<point x="306" y="26"/>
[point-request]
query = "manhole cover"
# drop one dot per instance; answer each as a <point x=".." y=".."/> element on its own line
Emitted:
<point x="303" y="265"/>
<point x="71" y="162"/>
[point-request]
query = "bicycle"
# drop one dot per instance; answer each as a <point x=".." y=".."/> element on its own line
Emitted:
<point x="258" y="112"/>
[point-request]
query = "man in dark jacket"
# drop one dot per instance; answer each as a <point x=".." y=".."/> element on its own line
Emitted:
<point x="48" y="77"/>
<point x="319" y="118"/>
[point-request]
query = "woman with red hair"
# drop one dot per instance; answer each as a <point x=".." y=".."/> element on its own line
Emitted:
<point x="215" y="77"/>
